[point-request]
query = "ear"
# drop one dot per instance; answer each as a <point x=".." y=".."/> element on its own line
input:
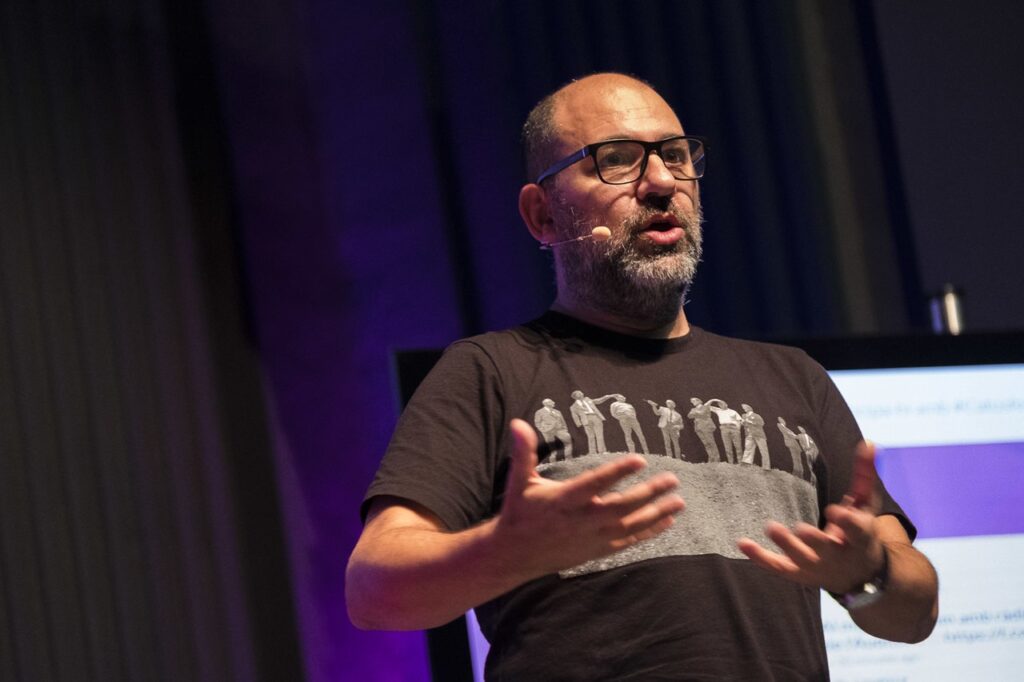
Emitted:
<point x="533" y="207"/>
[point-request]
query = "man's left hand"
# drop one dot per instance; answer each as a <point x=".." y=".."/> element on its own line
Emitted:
<point x="846" y="553"/>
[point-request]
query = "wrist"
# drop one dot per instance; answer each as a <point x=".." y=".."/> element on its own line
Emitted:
<point x="513" y="551"/>
<point x="868" y="592"/>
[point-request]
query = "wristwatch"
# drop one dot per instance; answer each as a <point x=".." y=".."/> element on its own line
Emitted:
<point x="866" y="593"/>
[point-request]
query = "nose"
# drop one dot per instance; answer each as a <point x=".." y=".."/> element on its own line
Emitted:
<point x="656" y="180"/>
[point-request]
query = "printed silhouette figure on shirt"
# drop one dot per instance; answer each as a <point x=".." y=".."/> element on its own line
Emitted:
<point x="625" y="414"/>
<point x="754" y="438"/>
<point x="671" y="424"/>
<point x="704" y="426"/>
<point x="729" y="422"/>
<point x="810" y="449"/>
<point x="793" y="445"/>
<point x="586" y="415"/>
<point x="553" y="429"/>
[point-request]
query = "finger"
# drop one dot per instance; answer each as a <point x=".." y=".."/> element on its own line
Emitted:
<point x="648" y="520"/>
<point x="864" y="480"/>
<point x="818" y="540"/>
<point x="809" y="534"/>
<point x="832" y="530"/>
<point x="792" y="546"/>
<point x="581" y="489"/>
<point x="771" y="561"/>
<point x="660" y="526"/>
<point x="854" y="524"/>
<point x="523" y="459"/>
<point x="622" y="503"/>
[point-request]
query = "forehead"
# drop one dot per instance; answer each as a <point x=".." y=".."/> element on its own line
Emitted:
<point x="603" y="108"/>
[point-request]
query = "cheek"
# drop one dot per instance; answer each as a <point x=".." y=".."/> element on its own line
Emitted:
<point x="688" y="196"/>
<point x="601" y="204"/>
<point x="618" y="211"/>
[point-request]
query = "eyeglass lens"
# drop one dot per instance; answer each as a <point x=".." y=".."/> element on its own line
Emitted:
<point x="623" y="161"/>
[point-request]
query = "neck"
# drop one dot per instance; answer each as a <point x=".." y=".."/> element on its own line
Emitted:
<point x="642" y="328"/>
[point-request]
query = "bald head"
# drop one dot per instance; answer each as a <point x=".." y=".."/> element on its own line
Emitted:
<point x="557" y="124"/>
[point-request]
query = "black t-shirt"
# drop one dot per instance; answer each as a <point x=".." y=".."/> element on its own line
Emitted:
<point x="755" y="432"/>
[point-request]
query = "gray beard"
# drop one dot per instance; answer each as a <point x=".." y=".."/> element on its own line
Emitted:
<point x="629" y="279"/>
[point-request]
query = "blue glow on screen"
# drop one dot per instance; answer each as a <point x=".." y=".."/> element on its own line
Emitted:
<point x="951" y="452"/>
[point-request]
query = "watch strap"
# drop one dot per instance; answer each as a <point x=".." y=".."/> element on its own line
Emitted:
<point x="868" y="592"/>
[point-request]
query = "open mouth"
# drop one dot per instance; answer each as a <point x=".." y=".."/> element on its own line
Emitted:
<point x="663" y="232"/>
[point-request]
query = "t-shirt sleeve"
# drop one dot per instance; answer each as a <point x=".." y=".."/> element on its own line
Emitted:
<point x="449" y="441"/>
<point x="841" y="434"/>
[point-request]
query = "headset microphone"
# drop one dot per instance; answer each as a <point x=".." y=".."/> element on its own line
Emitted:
<point x="598" y="234"/>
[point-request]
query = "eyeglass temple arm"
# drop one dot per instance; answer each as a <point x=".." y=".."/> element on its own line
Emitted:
<point x="563" y="164"/>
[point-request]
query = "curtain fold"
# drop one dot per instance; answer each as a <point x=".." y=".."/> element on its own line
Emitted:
<point x="123" y="551"/>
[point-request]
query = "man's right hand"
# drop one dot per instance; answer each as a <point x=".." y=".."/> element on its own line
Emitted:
<point x="559" y="524"/>
<point x="409" y="572"/>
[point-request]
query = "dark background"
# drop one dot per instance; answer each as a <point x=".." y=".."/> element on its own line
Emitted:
<point x="219" y="219"/>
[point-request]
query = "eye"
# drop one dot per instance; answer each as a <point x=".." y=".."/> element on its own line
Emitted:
<point x="676" y="153"/>
<point x="619" y="155"/>
<point x="612" y="159"/>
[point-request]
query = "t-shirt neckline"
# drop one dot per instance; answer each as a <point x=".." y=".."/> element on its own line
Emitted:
<point x="560" y="325"/>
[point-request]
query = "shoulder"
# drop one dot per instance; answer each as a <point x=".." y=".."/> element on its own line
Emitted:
<point x="761" y="353"/>
<point x="489" y="349"/>
<point x="522" y="339"/>
<point x="751" y="347"/>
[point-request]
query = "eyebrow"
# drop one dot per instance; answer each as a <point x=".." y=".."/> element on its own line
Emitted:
<point x="608" y="138"/>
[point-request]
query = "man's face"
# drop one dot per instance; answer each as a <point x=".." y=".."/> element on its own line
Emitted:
<point x="654" y="248"/>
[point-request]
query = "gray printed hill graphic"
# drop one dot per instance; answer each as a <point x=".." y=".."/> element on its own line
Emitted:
<point x="724" y="502"/>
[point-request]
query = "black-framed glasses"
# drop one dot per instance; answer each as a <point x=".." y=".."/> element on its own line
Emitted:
<point x="619" y="162"/>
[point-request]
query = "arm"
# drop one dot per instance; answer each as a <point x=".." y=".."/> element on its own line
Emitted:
<point x="408" y="572"/>
<point x="574" y="410"/>
<point x="848" y="552"/>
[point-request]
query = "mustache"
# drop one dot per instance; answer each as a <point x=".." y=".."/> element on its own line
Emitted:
<point x="634" y="223"/>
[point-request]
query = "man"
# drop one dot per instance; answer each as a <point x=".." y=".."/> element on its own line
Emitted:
<point x="626" y="416"/>
<point x="704" y="426"/>
<point x="793" y="445"/>
<point x="552" y="428"/>
<point x="729" y="422"/>
<point x="810" y="449"/>
<point x="585" y="414"/>
<point x="594" y="573"/>
<point x="671" y="424"/>
<point x="754" y="437"/>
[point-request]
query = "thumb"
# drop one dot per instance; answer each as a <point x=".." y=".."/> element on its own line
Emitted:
<point x="523" y="459"/>
<point x="863" y="491"/>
